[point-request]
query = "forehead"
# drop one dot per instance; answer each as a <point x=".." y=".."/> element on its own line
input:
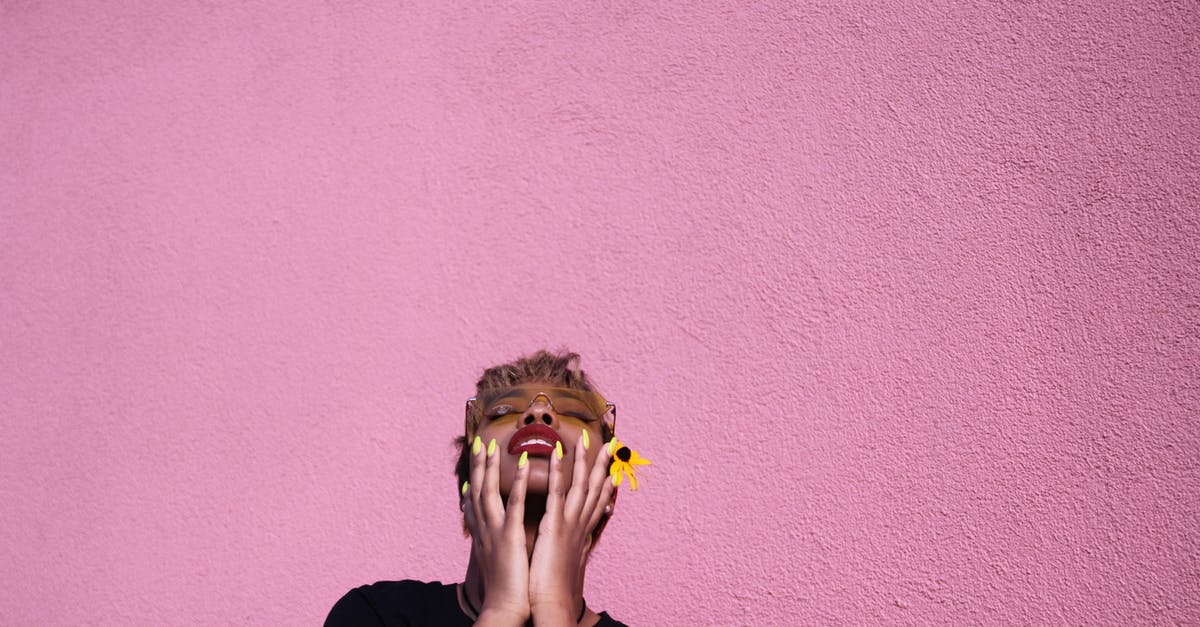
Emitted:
<point x="529" y="390"/>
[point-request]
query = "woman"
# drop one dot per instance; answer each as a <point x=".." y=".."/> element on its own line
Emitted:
<point x="535" y="491"/>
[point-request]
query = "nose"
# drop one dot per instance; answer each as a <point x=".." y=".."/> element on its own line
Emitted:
<point x="540" y="411"/>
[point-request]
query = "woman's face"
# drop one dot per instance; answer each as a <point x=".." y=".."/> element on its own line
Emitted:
<point x="532" y="418"/>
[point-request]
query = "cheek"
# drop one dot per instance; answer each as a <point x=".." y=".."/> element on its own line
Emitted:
<point x="494" y="431"/>
<point x="508" y="465"/>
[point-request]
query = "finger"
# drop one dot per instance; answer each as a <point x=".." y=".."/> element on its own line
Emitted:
<point x="603" y="505"/>
<point x="598" y="477"/>
<point x="469" y="516"/>
<point x="491" y="505"/>
<point x="514" y="519"/>
<point x="556" y="487"/>
<point x="579" y="488"/>
<point x="475" y="489"/>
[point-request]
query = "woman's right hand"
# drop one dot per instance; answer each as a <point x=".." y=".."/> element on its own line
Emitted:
<point x="498" y="536"/>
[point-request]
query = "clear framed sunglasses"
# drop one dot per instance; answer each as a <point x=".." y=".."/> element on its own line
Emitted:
<point x="587" y="407"/>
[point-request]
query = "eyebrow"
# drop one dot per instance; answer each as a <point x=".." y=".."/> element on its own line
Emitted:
<point x="572" y="393"/>
<point x="510" y="392"/>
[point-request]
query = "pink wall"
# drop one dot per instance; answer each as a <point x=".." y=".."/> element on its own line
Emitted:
<point x="901" y="301"/>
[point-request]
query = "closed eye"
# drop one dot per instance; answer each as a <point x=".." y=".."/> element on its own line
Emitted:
<point x="500" y="411"/>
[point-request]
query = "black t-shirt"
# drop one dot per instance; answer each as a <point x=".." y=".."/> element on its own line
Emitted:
<point x="408" y="603"/>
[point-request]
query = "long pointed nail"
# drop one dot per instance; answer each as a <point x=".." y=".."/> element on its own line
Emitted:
<point x="586" y="440"/>
<point x="612" y="445"/>
<point x="477" y="446"/>
<point x="466" y="485"/>
<point x="492" y="447"/>
<point x="524" y="460"/>
<point x="558" y="449"/>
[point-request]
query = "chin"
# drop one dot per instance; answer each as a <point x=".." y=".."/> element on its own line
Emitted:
<point x="539" y="482"/>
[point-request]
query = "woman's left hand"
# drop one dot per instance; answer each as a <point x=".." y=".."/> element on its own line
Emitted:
<point x="564" y="536"/>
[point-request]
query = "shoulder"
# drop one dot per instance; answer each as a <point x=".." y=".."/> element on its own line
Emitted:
<point x="397" y="603"/>
<point x="609" y="621"/>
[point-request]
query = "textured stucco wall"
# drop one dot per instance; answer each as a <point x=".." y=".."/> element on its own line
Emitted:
<point x="900" y="299"/>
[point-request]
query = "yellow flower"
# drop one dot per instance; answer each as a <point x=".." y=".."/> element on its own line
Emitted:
<point x="623" y="461"/>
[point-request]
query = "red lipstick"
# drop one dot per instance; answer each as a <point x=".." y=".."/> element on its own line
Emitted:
<point x="536" y="439"/>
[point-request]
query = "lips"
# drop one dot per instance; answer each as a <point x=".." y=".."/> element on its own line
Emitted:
<point x="536" y="439"/>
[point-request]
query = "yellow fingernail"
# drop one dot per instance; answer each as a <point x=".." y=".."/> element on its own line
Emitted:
<point x="614" y="480"/>
<point x="586" y="442"/>
<point x="466" y="484"/>
<point x="524" y="460"/>
<point x="558" y="449"/>
<point x="491" y="447"/>
<point x="612" y="444"/>
<point x="477" y="446"/>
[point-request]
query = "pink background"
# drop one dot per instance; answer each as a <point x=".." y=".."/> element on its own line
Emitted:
<point x="901" y="300"/>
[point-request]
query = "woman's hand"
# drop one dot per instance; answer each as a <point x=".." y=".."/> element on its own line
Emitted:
<point x="498" y="537"/>
<point x="564" y="536"/>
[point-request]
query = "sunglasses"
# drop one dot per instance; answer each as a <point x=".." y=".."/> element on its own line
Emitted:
<point x="513" y="402"/>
